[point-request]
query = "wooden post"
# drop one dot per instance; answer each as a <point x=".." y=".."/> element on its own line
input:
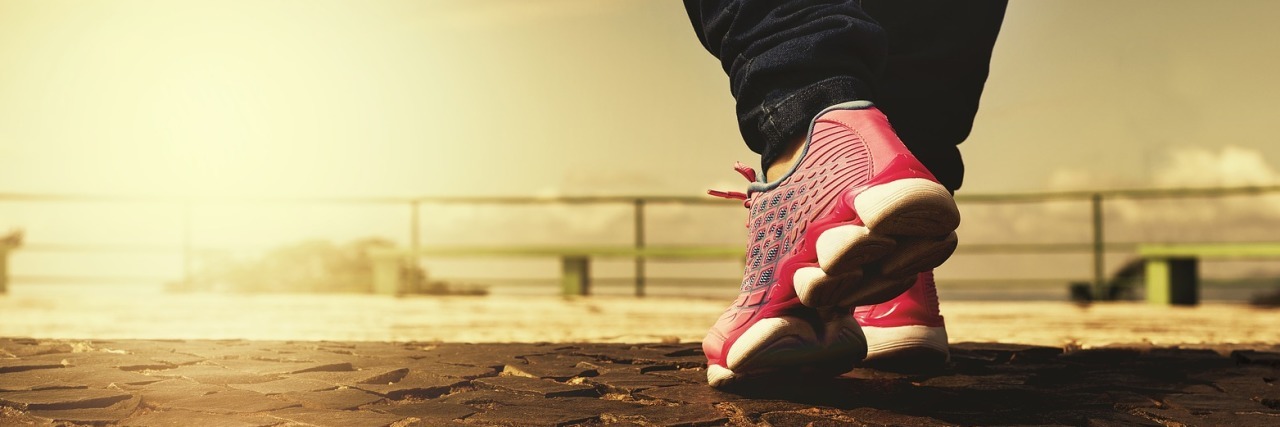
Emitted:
<point x="575" y="276"/>
<point x="1173" y="281"/>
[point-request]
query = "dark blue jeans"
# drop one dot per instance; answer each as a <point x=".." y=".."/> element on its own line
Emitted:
<point x="922" y="62"/>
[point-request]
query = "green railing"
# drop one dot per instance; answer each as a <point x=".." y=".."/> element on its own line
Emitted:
<point x="417" y="207"/>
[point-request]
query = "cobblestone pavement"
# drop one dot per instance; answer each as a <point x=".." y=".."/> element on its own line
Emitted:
<point x="262" y="383"/>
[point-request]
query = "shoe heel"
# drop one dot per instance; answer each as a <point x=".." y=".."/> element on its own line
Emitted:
<point x="914" y="207"/>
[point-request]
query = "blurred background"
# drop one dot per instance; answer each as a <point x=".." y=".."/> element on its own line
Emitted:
<point x="152" y="147"/>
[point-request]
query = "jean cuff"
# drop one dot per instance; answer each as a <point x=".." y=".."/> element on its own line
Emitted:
<point x="785" y="120"/>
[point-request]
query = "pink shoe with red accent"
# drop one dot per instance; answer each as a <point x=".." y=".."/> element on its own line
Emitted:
<point x="906" y="333"/>
<point x="850" y="225"/>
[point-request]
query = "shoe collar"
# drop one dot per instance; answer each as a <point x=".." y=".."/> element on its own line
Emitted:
<point x="764" y="185"/>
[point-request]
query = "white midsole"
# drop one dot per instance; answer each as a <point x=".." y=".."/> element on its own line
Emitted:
<point x="890" y="339"/>
<point x="909" y="206"/>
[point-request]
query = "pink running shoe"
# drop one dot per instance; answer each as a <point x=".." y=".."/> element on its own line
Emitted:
<point x="906" y="333"/>
<point x="851" y="224"/>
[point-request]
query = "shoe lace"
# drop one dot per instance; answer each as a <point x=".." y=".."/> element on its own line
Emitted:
<point x="749" y="174"/>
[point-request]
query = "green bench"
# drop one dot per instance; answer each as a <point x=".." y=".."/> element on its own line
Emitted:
<point x="575" y="278"/>
<point x="1172" y="270"/>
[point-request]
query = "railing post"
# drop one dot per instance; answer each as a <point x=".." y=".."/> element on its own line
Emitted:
<point x="639" y="228"/>
<point x="4" y="268"/>
<point x="1100" y="291"/>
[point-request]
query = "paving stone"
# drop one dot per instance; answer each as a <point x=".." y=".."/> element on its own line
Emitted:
<point x="140" y="347"/>
<point x="335" y="418"/>
<point x="1215" y="402"/>
<point x="1256" y="357"/>
<point x="788" y="419"/>
<point x="414" y="384"/>
<point x="15" y="365"/>
<point x="63" y="398"/>
<point x="482" y="355"/>
<point x="695" y="375"/>
<point x="343" y="398"/>
<point x="1252" y="385"/>
<point x="27" y="381"/>
<point x="694" y="415"/>
<point x="352" y="378"/>
<point x="648" y="355"/>
<point x="188" y="418"/>
<point x="72" y="377"/>
<point x="604" y="367"/>
<point x="594" y="405"/>
<point x="755" y="408"/>
<point x="1182" y="417"/>
<point x="173" y="389"/>
<point x="124" y="362"/>
<point x="431" y="423"/>
<point x="231" y="350"/>
<point x="1129" y="400"/>
<point x="880" y="417"/>
<point x="212" y="374"/>
<point x="429" y="410"/>
<point x="109" y="414"/>
<point x="631" y="382"/>
<point x="984" y="382"/>
<point x="532" y="416"/>
<point x="17" y="347"/>
<point x="491" y="397"/>
<point x="359" y="362"/>
<point x="688" y="394"/>
<point x="270" y="368"/>
<point x="1121" y="420"/>
<point x="177" y="359"/>
<point x="551" y="372"/>
<point x="287" y="385"/>
<point x="456" y="371"/>
<point x="229" y="402"/>
<point x="987" y="384"/>
<point x="543" y="388"/>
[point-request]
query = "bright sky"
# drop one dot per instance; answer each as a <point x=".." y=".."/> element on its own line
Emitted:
<point x="510" y="97"/>
<point x="566" y="96"/>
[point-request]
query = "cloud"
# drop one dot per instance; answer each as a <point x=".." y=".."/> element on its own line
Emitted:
<point x="1229" y="167"/>
<point x="1205" y="219"/>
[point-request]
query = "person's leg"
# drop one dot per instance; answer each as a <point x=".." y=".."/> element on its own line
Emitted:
<point x="788" y="60"/>
<point x="850" y="219"/>
<point x="939" y="55"/>
<point x="939" y="58"/>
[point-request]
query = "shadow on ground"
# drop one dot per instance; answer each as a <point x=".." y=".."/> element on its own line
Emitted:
<point x="257" y="383"/>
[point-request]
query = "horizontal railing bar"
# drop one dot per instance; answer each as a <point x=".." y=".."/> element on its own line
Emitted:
<point x="690" y="199"/>
<point x="657" y="251"/>
<point x="59" y="279"/>
<point x="82" y="248"/>
<point x="1136" y="193"/>
<point x="1041" y="248"/>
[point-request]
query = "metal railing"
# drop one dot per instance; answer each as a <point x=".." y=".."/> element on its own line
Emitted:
<point x="417" y="207"/>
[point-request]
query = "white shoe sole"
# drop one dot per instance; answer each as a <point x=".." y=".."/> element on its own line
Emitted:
<point x="910" y="228"/>
<point x="791" y="346"/>
<point x="907" y="347"/>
